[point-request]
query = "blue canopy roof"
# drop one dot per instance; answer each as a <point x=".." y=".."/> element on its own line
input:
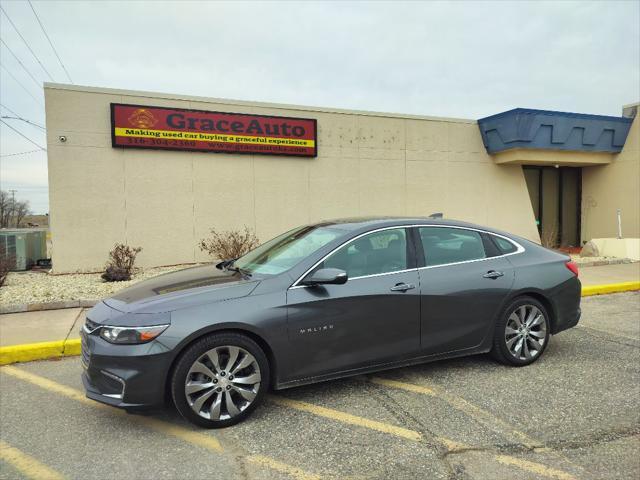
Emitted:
<point x="549" y="130"/>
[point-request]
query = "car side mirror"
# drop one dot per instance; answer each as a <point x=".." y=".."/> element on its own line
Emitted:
<point x="327" y="276"/>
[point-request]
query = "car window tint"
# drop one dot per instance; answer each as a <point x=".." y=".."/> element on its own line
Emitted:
<point x="379" y="252"/>
<point x="505" y="246"/>
<point x="450" y="245"/>
<point x="490" y="248"/>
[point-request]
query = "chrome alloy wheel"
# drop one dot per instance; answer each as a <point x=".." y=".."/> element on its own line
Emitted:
<point x="526" y="332"/>
<point x="223" y="382"/>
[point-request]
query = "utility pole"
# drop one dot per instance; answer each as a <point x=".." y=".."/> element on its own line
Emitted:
<point x="13" y="204"/>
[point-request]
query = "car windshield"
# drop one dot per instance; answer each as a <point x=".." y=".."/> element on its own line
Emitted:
<point x="283" y="252"/>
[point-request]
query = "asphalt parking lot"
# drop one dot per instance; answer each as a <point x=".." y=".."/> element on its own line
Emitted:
<point x="575" y="414"/>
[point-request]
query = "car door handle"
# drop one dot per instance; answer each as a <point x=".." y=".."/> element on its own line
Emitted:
<point x="493" y="274"/>
<point x="402" y="287"/>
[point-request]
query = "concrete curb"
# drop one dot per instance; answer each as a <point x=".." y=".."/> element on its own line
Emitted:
<point x="39" y="351"/>
<point x="64" y="348"/>
<point x="601" y="263"/>
<point x="37" y="307"/>
<point x="610" y="288"/>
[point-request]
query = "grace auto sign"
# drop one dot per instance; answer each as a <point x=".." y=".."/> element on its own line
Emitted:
<point x="141" y="126"/>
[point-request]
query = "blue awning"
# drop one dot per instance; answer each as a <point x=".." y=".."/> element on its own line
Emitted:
<point x="548" y="130"/>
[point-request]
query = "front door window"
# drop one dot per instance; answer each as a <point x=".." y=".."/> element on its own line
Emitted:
<point x="379" y="252"/>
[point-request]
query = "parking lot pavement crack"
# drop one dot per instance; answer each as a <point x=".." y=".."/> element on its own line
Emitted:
<point x="73" y="325"/>
<point x="597" y="438"/>
<point x="431" y="441"/>
<point x="606" y="337"/>
<point x="402" y="414"/>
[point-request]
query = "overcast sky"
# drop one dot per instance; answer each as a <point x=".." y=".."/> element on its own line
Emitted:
<point x="460" y="59"/>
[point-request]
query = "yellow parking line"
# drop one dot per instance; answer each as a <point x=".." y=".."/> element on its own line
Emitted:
<point x="195" y="438"/>
<point x="489" y="420"/>
<point x="26" y="464"/>
<point x="480" y="415"/>
<point x="534" y="467"/>
<point x="282" y="467"/>
<point x="348" y="418"/>
<point x="450" y="445"/>
<point x="205" y="441"/>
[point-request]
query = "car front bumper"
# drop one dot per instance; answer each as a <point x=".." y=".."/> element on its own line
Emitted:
<point x="125" y="376"/>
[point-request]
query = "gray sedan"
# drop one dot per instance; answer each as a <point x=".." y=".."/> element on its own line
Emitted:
<point x="324" y="301"/>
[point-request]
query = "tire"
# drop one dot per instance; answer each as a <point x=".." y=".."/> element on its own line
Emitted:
<point x="517" y="342"/>
<point x="209" y="392"/>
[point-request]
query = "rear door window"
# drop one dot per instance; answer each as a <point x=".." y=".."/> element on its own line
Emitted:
<point x="504" y="245"/>
<point x="444" y="245"/>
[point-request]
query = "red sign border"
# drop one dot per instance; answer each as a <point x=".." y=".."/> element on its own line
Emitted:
<point x="141" y="147"/>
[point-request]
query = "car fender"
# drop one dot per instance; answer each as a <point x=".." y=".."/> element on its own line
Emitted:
<point x="261" y="317"/>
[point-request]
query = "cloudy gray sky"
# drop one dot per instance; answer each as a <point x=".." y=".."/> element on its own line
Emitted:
<point x="465" y="59"/>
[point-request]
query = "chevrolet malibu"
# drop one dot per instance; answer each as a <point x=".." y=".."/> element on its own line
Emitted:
<point x="324" y="301"/>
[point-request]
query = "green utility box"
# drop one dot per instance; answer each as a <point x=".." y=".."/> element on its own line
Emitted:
<point x="25" y="245"/>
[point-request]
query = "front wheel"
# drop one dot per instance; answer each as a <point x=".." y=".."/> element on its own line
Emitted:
<point x="219" y="380"/>
<point x="522" y="333"/>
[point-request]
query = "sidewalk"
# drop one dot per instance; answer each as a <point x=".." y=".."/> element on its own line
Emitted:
<point x="64" y="324"/>
<point x="41" y="326"/>
<point x="606" y="274"/>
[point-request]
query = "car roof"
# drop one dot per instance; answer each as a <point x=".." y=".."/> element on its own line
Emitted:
<point x="365" y="223"/>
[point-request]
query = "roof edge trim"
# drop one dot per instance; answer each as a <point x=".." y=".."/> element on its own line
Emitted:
<point x="246" y="103"/>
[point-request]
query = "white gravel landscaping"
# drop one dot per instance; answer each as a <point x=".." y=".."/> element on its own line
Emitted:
<point x="37" y="287"/>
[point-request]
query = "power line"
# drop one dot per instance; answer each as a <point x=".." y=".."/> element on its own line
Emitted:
<point x="26" y="43"/>
<point x="25" y="121"/>
<point x="19" y="117"/>
<point x="21" y="64"/>
<point x="50" y="42"/>
<point x="23" y="136"/>
<point x="20" y="84"/>
<point x="8" y="109"/>
<point x="12" y="112"/>
<point x="19" y="153"/>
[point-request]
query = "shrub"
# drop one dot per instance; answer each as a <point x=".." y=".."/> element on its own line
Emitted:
<point x="121" y="262"/>
<point x="549" y="237"/>
<point x="229" y="244"/>
<point x="7" y="262"/>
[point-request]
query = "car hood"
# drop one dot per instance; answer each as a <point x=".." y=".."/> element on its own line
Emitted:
<point x="192" y="286"/>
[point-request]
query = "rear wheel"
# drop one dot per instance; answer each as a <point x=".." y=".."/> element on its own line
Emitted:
<point x="219" y="380"/>
<point x="522" y="333"/>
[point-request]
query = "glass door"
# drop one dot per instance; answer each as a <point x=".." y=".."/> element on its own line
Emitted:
<point x="555" y="197"/>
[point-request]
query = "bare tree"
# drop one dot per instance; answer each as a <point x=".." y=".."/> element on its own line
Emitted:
<point x="20" y="210"/>
<point x="12" y="211"/>
<point x="5" y="209"/>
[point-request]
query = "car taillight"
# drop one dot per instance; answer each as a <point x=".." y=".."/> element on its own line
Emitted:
<point x="573" y="266"/>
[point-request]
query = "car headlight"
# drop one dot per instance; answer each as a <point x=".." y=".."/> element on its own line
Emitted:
<point x="131" y="335"/>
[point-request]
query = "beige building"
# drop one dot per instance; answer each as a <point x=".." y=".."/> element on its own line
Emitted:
<point x="367" y="163"/>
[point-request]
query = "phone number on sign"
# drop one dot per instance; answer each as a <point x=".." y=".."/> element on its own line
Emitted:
<point x="159" y="141"/>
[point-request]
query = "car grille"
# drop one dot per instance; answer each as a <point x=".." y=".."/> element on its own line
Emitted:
<point x="89" y="327"/>
<point x="85" y="355"/>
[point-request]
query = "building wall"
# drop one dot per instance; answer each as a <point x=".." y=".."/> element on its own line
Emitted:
<point x="368" y="164"/>
<point x="606" y="188"/>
